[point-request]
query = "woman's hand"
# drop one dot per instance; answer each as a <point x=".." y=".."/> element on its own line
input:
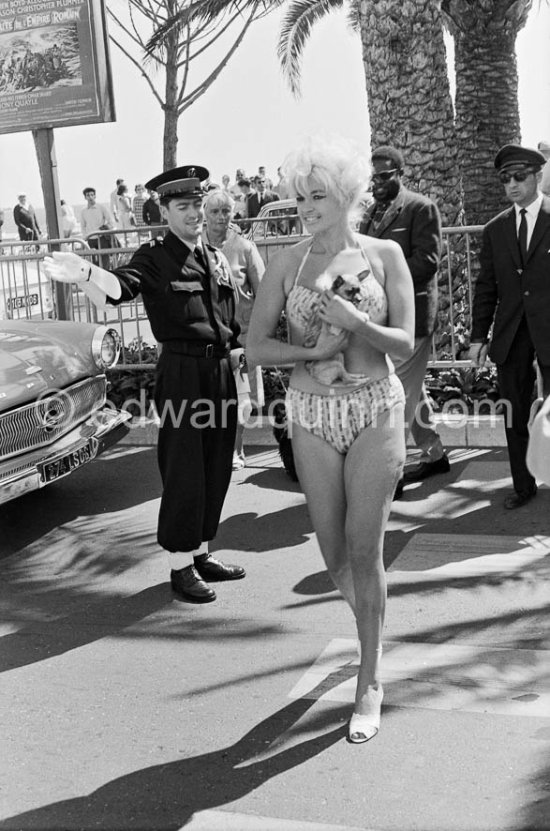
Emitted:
<point x="67" y="268"/>
<point x="337" y="311"/>
<point x="328" y="343"/>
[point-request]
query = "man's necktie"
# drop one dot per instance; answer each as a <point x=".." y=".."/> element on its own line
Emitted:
<point x="199" y="256"/>
<point x="379" y="212"/>
<point x="522" y="236"/>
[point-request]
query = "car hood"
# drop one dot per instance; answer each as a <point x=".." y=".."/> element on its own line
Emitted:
<point x="39" y="356"/>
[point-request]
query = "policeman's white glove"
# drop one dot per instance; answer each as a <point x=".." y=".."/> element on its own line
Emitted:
<point x="478" y="354"/>
<point x="66" y="267"/>
<point x="98" y="284"/>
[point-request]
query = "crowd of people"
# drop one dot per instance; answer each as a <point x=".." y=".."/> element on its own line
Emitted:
<point x="360" y="296"/>
<point x="249" y="194"/>
<point x="126" y="212"/>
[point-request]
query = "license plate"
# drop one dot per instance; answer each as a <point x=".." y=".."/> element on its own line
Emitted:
<point x="63" y="465"/>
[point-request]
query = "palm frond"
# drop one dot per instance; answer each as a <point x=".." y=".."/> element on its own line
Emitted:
<point x="203" y="11"/>
<point x="298" y="21"/>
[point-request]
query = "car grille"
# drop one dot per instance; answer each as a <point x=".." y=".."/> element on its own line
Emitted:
<point x="39" y="424"/>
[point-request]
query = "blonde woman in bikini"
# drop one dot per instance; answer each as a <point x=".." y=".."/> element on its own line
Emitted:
<point x="345" y="404"/>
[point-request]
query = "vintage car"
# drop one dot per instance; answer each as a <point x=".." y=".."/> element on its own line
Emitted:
<point x="54" y="414"/>
<point x="263" y="226"/>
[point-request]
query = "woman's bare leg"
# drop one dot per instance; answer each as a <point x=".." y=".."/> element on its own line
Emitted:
<point x="321" y="472"/>
<point x="373" y="466"/>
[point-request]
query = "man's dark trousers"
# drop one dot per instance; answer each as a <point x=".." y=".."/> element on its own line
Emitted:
<point x="196" y="402"/>
<point x="516" y="377"/>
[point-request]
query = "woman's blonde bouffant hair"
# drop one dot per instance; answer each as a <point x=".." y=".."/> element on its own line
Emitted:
<point x="336" y="163"/>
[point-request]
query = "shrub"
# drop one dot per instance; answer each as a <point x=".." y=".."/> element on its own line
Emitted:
<point x="462" y="384"/>
<point x="126" y="385"/>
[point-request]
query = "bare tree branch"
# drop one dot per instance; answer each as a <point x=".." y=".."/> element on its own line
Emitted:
<point x="173" y="34"/>
<point x="201" y="88"/>
<point x="139" y="66"/>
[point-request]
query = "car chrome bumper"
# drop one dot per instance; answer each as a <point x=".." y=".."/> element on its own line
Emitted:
<point x="35" y="469"/>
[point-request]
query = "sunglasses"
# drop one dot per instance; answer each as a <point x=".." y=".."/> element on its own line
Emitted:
<point x="517" y="176"/>
<point x="384" y="176"/>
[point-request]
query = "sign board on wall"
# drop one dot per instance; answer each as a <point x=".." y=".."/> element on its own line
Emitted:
<point x="54" y="64"/>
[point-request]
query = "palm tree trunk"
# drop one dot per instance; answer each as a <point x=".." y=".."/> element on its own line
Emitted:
<point x="487" y="110"/>
<point x="487" y="116"/>
<point x="410" y="103"/>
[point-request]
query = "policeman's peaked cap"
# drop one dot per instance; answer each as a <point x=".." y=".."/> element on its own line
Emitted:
<point x="512" y="155"/>
<point x="180" y="181"/>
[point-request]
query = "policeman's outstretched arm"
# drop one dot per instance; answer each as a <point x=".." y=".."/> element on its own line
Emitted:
<point x="97" y="283"/>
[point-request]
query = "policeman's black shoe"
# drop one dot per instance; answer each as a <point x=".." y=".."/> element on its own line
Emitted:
<point x="398" y="493"/>
<point x="426" y="469"/>
<point x="518" y="500"/>
<point x="214" y="570"/>
<point x="187" y="585"/>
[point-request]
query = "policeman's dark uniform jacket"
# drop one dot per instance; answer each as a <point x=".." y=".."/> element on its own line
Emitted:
<point x="190" y="302"/>
<point x="513" y="294"/>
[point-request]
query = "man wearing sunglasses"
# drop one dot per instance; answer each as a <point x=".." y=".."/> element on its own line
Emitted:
<point x="512" y="294"/>
<point x="413" y="221"/>
<point x="544" y="148"/>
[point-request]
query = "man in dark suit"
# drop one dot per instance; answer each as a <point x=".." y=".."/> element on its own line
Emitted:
<point x="260" y="197"/>
<point x="413" y="221"/>
<point x="512" y="293"/>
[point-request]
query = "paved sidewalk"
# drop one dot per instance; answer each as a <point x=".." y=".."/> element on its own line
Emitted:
<point x="123" y="709"/>
<point x="455" y="430"/>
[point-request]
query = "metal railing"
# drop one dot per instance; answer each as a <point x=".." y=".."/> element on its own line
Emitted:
<point x="26" y="292"/>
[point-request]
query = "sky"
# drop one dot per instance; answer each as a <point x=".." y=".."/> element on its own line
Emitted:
<point x="248" y="117"/>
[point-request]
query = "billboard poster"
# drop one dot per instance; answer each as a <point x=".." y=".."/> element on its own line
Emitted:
<point x="54" y="68"/>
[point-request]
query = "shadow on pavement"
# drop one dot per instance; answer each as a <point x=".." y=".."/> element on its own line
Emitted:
<point x="165" y="797"/>
<point x="103" y="618"/>
<point x="109" y="484"/>
<point x="535" y="816"/>
<point x="319" y="583"/>
<point x="274" y="478"/>
<point x="264" y="532"/>
<point x="513" y="624"/>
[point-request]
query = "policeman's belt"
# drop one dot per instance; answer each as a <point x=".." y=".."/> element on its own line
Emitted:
<point x="196" y="349"/>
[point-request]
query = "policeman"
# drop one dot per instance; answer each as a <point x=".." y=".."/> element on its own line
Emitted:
<point x="187" y="290"/>
<point x="512" y="301"/>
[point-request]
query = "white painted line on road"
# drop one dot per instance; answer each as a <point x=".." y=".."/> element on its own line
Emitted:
<point x="486" y="476"/>
<point x="479" y="485"/>
<point x="467" y="678"/>
<point x="231" y="821"/>
<point x="445" y="503"/>
<point x="471" y="555"/>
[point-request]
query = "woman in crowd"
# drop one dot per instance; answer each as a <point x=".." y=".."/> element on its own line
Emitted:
<point x="344" y="404"/>
<point x="247" y="268"/>
<point x="125" y="212"/>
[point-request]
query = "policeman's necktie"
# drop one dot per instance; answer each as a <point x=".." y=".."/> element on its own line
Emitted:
<point x="522" y="236"/>
<point x="199" y="256"/>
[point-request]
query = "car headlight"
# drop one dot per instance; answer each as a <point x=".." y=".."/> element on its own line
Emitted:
<point x="105" y="347"/>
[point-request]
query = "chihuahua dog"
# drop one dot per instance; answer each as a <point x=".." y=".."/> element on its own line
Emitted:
<point x="332" y="370"/>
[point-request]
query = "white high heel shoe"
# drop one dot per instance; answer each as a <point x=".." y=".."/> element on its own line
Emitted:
<point x="365" y="726"/>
